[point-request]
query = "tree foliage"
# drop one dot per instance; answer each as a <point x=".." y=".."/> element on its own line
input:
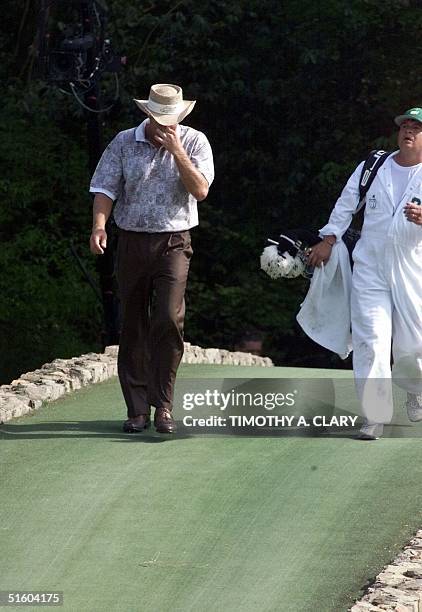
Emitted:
<point x="291" y="94"/>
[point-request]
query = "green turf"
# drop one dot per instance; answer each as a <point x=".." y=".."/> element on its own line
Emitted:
<point x="212" y="523"/>
<point x="216" y="371"/>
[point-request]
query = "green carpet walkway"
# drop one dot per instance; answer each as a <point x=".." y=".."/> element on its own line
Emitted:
<point x="198" y="523"/>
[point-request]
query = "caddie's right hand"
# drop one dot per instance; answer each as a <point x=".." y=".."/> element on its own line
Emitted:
<point x="98" y="241"/>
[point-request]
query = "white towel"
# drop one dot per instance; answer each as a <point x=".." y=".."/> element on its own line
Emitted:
<point x="324" y="315"/>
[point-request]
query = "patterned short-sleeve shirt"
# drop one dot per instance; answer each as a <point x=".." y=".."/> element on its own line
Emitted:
<point x="145" y="183"/>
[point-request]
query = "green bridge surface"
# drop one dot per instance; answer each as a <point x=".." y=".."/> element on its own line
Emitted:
<point x="275" y="520"/>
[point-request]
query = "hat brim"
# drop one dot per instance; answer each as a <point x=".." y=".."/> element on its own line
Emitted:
<point x="400" y="118"/>
<point x="166" y="119"/>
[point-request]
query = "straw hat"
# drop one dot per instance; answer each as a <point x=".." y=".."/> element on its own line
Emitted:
<point x="165" y="104"/>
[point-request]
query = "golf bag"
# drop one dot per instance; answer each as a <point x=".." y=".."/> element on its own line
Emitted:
<point x="287" y="257"/>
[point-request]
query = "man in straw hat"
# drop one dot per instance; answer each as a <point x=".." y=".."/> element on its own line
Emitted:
<point x="386" y="299"/>
<point x="155" y="173"/>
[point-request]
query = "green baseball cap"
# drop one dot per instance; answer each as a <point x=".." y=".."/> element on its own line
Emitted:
<point x="412" y="113"/>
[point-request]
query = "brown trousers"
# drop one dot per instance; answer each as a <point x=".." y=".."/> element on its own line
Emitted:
<point x="152" y="271"/>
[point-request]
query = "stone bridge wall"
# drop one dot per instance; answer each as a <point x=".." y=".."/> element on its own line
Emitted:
<point x="52" y="380"/>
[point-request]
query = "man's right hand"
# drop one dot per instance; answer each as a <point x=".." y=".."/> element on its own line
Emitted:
<point x="98" y="241"/>
<point x="319" y="254"/>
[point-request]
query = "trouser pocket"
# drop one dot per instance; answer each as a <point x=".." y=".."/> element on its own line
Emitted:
<point x="180" y="241"/>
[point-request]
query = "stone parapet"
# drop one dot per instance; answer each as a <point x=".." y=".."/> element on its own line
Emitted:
<point x="61" y="376"/>
<point x="399" y="586"/>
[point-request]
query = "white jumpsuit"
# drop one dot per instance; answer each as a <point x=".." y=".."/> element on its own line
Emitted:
<point x="386" y="301"/>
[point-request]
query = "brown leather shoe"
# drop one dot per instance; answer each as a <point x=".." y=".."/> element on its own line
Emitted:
<point x="137" y="424"/>
<point x="163" y="421"/>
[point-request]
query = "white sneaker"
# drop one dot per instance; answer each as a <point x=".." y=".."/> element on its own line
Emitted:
<point x="370" y="432"/>
<point x="413" y="406"/>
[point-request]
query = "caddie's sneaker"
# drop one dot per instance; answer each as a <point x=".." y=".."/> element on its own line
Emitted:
<point x="414" y="407"/>
<point x="370" y="432"/>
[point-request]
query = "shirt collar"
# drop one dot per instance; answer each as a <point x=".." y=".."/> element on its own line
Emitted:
<point x="140" y="132"/>
<point x="140" y="135"/>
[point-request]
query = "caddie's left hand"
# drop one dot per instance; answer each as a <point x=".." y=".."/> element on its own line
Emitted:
<point x="413" y="212"/>
<point x="168" y="138"/>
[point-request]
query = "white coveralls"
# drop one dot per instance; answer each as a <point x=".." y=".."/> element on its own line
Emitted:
<point x="386" y="300"/>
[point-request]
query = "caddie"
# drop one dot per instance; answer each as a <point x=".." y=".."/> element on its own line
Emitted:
<point x="386" y="300"/>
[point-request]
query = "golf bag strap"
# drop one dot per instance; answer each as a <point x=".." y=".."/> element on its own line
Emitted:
<point x="370" y="168"/>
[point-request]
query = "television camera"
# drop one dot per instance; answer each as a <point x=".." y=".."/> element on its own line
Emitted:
<point x="73" y="50"/>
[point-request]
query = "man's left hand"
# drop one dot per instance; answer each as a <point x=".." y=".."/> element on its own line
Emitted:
<point x="169" y="139"/>
<point x="413" y="213"/>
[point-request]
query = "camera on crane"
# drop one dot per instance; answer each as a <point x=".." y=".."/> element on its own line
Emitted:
<point x="72" y="47"/>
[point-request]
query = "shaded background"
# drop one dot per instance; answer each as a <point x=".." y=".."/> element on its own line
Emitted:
<point x="292" y="95"/>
